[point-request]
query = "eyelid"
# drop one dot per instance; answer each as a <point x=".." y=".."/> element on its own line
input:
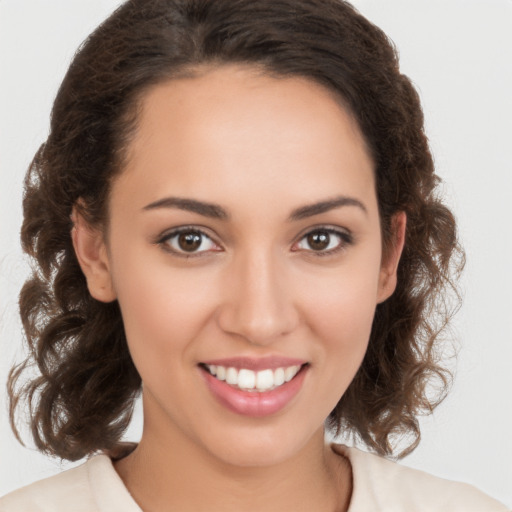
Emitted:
<point x="164" y="237"/>
<point x="345" y="235"/>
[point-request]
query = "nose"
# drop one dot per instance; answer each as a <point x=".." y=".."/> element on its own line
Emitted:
<point x="259" y="304"/>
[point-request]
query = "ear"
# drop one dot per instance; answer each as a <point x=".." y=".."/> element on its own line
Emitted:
<point x="92" y="255"/>
<point x="391" y="257"/>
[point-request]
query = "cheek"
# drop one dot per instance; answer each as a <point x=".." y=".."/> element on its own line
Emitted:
<point x="343" y="300"/>
<point x="342" y="317"/>
<point x="163" y="309"/>
<point x="339" y="309"/>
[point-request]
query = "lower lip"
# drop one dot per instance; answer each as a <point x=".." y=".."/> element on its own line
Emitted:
<point x="254" y="403"/>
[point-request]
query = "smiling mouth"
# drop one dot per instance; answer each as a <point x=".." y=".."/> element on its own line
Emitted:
<point x="253" y="381"/>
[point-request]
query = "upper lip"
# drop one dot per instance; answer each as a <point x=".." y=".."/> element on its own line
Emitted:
<point x="256" y="363"/>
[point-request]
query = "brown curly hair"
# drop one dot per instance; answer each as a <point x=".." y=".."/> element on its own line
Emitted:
<point x="82" y="399"/>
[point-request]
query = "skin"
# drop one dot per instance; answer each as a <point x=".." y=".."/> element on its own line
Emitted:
<point x="259" y="147"/>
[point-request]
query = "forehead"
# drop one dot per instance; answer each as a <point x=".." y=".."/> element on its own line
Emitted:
<point x="235" y="131"/>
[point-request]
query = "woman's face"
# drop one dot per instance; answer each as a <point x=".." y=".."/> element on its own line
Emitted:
<point x="244" y="241"/>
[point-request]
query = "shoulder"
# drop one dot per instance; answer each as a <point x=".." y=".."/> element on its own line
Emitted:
<point x="380" y="484"/>
<point x="91" y="487"/>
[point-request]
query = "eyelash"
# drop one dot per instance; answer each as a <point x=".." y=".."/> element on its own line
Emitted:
<point x="345" y="239"/>
<point x="167" y="237"/>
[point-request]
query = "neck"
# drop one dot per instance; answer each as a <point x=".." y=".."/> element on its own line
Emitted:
<point x="165" y="473"/>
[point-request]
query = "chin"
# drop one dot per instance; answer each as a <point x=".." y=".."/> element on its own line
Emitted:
<point x="263" y="447"/>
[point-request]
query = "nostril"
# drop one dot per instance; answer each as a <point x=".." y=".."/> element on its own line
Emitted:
<point x="257" y="326"/>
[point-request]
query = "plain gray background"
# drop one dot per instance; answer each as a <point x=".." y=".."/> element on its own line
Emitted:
<point x="459" y="55"/>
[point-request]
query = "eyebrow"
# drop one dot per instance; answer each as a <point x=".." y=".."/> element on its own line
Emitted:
<point x="211" y="210"/>
<point x="324" y="206"/>
<point x="215" y="211"/>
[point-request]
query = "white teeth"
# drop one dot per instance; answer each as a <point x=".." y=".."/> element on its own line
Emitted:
<point x="220" y="372"/>
<point x="279" y="377"/>
<point x="246" y="379"/>
<point x="232" y="376"/>
<point x="265" y="380"/>
<point x="249" y="380"/>
<point x="290" y="372"/>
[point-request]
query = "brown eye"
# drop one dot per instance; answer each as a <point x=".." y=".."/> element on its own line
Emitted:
<point x="319" y="240"/>
<point x="189" y="242"/>
<point x="324" y="241"/>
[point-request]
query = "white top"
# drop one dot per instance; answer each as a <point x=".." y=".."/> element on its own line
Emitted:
<point x="379" y="485"/>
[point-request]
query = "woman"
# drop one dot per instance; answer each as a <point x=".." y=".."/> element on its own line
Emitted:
<point x="236" y="208"/>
